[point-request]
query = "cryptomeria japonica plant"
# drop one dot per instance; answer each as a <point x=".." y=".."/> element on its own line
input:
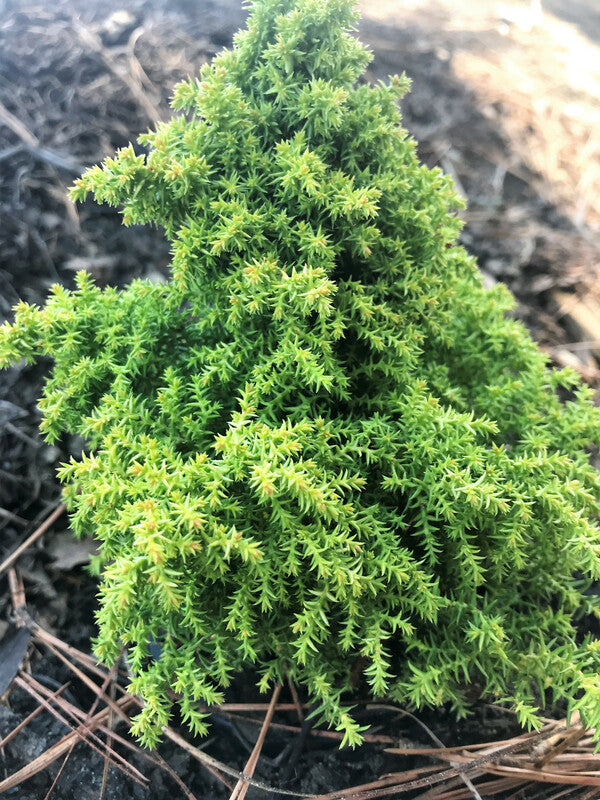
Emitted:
<point x="321" y="449"/>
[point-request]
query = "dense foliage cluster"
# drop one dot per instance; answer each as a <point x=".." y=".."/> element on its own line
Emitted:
<point x="321" y="448"/>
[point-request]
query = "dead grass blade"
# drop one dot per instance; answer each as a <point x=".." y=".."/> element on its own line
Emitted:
<point x="209" y="761"/>
<point x="474" y="767"/>
<point x="83" y="731"/>
<point x="488" y="788"/>
<point x="24" y="723"/>
<point x="296" y="699"/>
<point x="467" y="782"/>
<point x="59" y="773"/>
<point x="90" y="683"/>
<point x="560" y="754"/>
<point x="386" y="785"/>
<point x="154" y="758"/>
<point x="241" y="788"/>
<point x="58" y="511"/>
<point x="94" y="43"/>
<point x="55" y="751"/>
<point x="17" y="592"/>
<point x="372" y="738"/>
<point x="110" y="724"/>
<point x="159" y="760"/>
<point x="17" y="126"/>
<point x="252" y="707"/>
<point x="44" y="637"/>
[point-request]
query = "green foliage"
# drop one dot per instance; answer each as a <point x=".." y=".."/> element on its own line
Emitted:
<point x="322" y="445"/>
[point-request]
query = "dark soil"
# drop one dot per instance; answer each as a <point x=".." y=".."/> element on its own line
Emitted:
<point x="76" y="83"/>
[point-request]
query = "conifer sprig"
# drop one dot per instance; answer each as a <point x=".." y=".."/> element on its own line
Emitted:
<point x="322" y="443"/>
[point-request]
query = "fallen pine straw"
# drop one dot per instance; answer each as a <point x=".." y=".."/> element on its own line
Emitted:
<point x="557" y="754"/>
<point x="513" y="768"/>
<point x="56" y="750"/>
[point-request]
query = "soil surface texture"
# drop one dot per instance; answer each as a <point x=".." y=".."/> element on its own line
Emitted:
<point x="504" y="98"/>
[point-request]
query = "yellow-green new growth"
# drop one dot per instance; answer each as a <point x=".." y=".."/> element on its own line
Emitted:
<point x="321" y="444"/>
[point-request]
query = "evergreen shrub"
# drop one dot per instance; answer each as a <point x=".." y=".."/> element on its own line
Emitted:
<point x="321" y="449"/>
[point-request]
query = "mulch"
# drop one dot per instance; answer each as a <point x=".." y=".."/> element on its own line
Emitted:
<point x="77" y="82"/>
